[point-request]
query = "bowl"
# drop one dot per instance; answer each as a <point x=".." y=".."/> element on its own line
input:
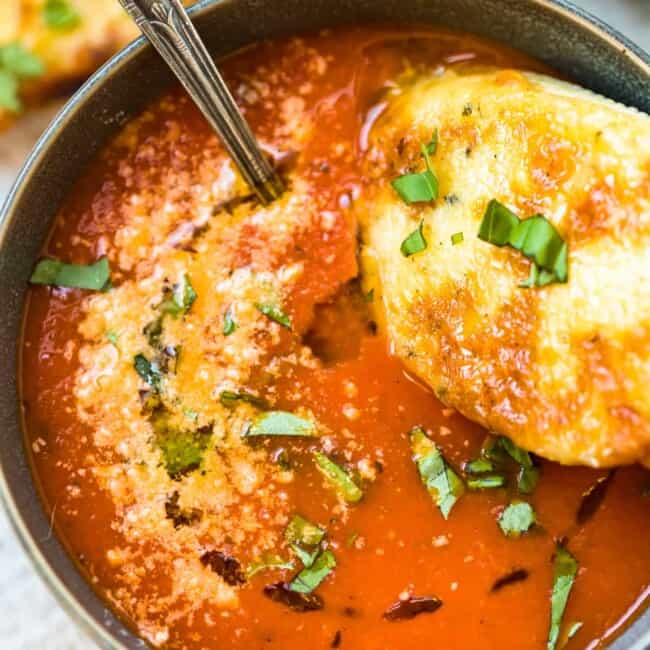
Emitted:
<point x="557" y="33"/>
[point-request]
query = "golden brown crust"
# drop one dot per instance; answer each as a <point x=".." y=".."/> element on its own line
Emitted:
<point x="562" y="369"/>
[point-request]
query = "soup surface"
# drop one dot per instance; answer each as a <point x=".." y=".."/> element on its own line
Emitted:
<point x="153" y="409"/>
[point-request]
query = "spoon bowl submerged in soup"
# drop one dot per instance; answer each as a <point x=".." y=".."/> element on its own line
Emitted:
<point x="220" y="419"/>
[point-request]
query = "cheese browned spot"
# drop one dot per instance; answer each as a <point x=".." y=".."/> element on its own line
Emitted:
<point x="562" y="370"/>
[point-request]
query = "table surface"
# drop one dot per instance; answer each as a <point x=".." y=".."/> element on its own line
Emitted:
<point x="30" y="618"/>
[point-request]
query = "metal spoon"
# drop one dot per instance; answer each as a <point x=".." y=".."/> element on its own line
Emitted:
<point x="168" y="28"/>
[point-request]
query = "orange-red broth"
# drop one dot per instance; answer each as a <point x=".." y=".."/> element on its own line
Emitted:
<point x="407" y="547"/>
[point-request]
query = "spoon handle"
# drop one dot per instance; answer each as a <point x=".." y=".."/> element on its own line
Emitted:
<point x="168" y="28"/>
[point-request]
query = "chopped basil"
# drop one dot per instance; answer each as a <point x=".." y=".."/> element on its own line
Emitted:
<point x="95" y="276"/>
<point x="16" y="63"/>
<point x="423" y="186"/>
<point x="280" y="423"/>
<point x="268" y="563"/>
<point x="60" y="14"/>
<point x="517" y="518"/>
<point x="183" y="450"/>
<point x="432" y="145"/>
<point x="527" y="479"/>
<point x="535" y="237"/>
<point x="518" y="454"/>
<point x="275" y="313"/>
<point x="369" y="296"/>
<point x="230" y="398"/>
<point x="306" y="557"/>
<point x="149" y="370"/>
<point x="112" y="337"/>
<point x="310" y="577"/>
<point x="415" y="242"/>
<point x="339" y="478"/>
<point x="179" y="300"/>
<point x="565" y="568"/>
<point x="457" y="238"/>
<point x="229" y="325"/>
<point x="486" y="482"/>
<point x="479" y="466"/>
<point x="301" y="531"/>
<point x="152" y="331"/>
<point x="442" y="483"/>
<point x="9" y="92"/>
<point x="16" y="60"/>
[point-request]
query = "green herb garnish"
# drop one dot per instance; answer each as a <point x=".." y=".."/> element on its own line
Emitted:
<point x="479" y="466"/>
<point x="311" y="577"/>
<point x="535" y="237"/>
<point x="16" y="63"/>
<point x="60" y="14"/>
<point x="301" y="531"/>
<point x="183" y="450"/>
<point x="423" y="186"/>
<point x="149" y="370"/>
<point x="179" y="300"/>
<point x="457" y="238"/>
<point x="275" y="313"/>
<point x="415" y="242"/>
<point x="339" y="478"/>
<point x="229" y="325"/>
<point x="112" y="337"/>
<point x="230" y="398"/>
<point x="486" y="482"/>
<point x="528" y="474"/>
<point x="95" y="276"/>
<point x="516" y="519"/>
<point x="565" y="568"/>
<point x="442" y="483"/>
<point x="280" y="423"/>
<point x="267" y="563"/>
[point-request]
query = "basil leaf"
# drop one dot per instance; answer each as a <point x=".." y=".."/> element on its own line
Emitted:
<point x="565" y="569"/>
<point x="268" y="563"/>
<point x="479" y="466"/>
<point x="416" y="188"/>
<point x="311" y="577"/>
<point x="152" y="331"/>
<point x="229" y="398"/>
<point x="229" y="325"/>
<point x="301" y="531"/>
<point x="498" y="223"/>
<point x="518" y="454"/>
<point x="535" y="237"/>
<point x="9" y="92"/>
<point x="457" y="238"/>
<point x="432" y="145"/>
<point x="516" y="519"/>
<point x="280" y="423"/>
<point x="60" y="14"/>
<point x="339" y="478"/>
<point x="275" y="313"/>
<point x="415" y="242"/>
<point x="442" y="483"/>
<point x="178" y="301"/>
<point x="78" y="276"/>
<point x="112" y="337"/>
<point x="306" y="557"/>
<point x="18" y="61"/>
<point x="148" y="370"/>
<point x="486" y="482"/>
<point x="527" y="479"/>
<point x="183" y="450"/>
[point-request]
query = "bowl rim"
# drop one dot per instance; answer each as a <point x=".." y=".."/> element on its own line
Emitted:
<point x="56" y="586"/>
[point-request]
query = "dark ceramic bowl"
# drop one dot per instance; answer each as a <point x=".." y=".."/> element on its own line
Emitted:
<point x="557" y="33"/>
